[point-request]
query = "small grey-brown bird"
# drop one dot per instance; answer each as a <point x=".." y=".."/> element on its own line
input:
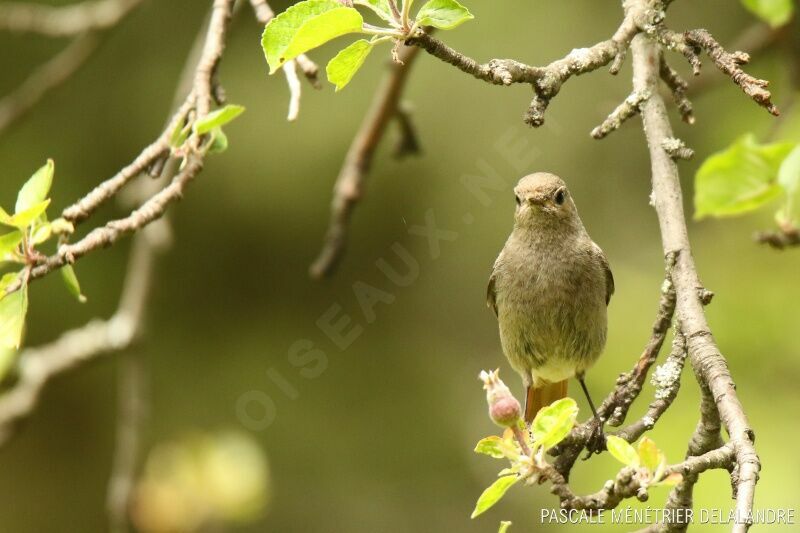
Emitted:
<point x="549" y="288"/>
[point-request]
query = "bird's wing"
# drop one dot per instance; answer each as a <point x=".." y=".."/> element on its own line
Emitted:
<point x="491" y="289"/>
<point x="491" y="301"/>
<point x="601" y="257"/>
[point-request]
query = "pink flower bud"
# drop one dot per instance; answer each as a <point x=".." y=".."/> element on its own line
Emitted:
<point x="504" y="409"/>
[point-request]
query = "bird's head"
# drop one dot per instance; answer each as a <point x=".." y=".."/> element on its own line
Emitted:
<point x="543" y="200"/>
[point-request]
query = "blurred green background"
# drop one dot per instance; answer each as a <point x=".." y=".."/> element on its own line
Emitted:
<point x="382" y="439"/>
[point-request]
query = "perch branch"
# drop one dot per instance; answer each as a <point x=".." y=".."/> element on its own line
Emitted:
<point x="709" y="364"/>
<point x="349" y="186"/>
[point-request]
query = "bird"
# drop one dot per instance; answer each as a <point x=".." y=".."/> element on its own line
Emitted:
<point x="549" y="288"/>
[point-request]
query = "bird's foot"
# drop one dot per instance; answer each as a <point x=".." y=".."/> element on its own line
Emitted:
<point x="597" y="440"/>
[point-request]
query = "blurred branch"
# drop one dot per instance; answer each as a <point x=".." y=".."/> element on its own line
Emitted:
<point x="63" y="21"/>
<point x="130" y="412"/>
<point x="84" y="21"/>
<point x="786" y="236"/>
<point x="46" y="77"/>
<point x="349" y="186"/>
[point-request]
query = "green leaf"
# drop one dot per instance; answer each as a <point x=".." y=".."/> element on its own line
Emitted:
<point x="443" y="14"/>
<point x="493" y="494"/>
<point x="217" y="118"/>
<point x="22" y="220"/>
<point x="71" y="282"/>
<point x="9" y="242"/>
<point x="7" y="358"/>
<point x="773" y="12"/>
<point x="491" y="446"/>
<point x="36" y="188"/>
<point x="41" y="233"/>
<point x="648" y="454"/>
<point x="380" y="7"/>
<point x="7" y="280"/>
<point x="504" y="525"/>
<point x="219" y="142"/>
<point x="345" y="64"/>
<point x="13" y="308"/>
<point x="554" y="422"/>
<point x="789" y="179"/>
<point x="739" y="179"/>
<point x="304" y="26"/>
<point x="622" y="451"/>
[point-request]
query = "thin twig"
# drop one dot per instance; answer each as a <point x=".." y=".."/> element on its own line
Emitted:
<point x="349" y="185"/>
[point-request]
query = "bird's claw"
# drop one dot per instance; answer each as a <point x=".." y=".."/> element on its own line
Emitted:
<point x="596" y="442"/>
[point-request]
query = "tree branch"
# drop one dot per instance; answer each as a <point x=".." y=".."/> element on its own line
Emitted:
<point x="197" y="104"/>
<point x="349" y="186"/>
<point x="708" y="362"/>
<point x="546" y="81"/>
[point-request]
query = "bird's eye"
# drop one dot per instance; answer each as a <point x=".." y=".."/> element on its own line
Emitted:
<point x="560" y="196"/>
<point x="516" y="199"/>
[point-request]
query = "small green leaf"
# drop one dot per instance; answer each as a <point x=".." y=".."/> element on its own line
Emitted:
<point x="648" y="453"/>
<point x="773" y="12"/>
<point x="36" y="188"/>
<point x="9" y="242"/>
<point x="493" y="494"/>
<point x="304" y="26"/>
<point x="22" y="220"/>
<point x="622" y="451"/>
<point x="740" y="178"/>
<point x="41" y="233"/>
<point x="219" y="142"/>
<point x="554" y="422"/>
<point x="380" y="7"/>
<point x="217" y="118"/>
<point x="443" y="14"/>
<point x="71" y="282"/>
<point x="7" y="280"/>
<point x="345" y="64"/>
<point x="491" y="446"/>
<point x="13" y="308"/>
<point x="504" y="525"/>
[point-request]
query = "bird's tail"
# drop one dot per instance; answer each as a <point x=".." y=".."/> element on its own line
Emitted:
<point x="543" y="396"/>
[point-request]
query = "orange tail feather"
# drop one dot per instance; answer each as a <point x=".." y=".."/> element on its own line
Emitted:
<point x="539" y="397"/>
